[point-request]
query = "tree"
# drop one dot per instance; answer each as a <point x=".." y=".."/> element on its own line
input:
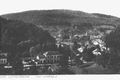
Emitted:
<point x="113" y="39"/>
<point x="113" y="42"/>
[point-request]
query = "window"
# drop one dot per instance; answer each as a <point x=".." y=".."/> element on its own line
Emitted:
<point x="51" y="56"/>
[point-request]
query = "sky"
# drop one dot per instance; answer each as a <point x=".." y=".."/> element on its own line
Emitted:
<point x="110" y="7"/>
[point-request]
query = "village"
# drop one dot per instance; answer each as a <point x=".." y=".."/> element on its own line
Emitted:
<point x="77" y="50"/>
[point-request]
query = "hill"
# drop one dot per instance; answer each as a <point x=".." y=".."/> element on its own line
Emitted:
<point x="56" y="20"/>
<point x="60" y="17"/>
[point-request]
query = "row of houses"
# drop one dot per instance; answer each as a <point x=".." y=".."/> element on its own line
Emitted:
<point x="47" y="58"/>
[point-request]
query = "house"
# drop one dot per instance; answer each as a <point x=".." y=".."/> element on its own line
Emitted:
<point x="49" y="57"/>
<point x="3" y="58"/>
<point x="53" y="56"/>
<point x="41" y="59"/>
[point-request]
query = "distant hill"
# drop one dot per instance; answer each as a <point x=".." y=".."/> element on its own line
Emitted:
<point x="60" y="17"/>
<point x="56" y="20"/>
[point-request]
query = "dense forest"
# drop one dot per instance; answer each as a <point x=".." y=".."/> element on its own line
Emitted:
<point x="17" y="37"/>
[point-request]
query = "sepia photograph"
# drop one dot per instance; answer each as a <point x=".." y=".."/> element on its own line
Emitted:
<point x="59" y="37"/>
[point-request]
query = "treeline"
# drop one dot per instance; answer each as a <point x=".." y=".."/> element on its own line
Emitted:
<point x="17" y="37"/>
<point x="111" y="59"/>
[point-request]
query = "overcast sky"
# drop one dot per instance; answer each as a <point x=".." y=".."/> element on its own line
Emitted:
<point x="110" y="7"/>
